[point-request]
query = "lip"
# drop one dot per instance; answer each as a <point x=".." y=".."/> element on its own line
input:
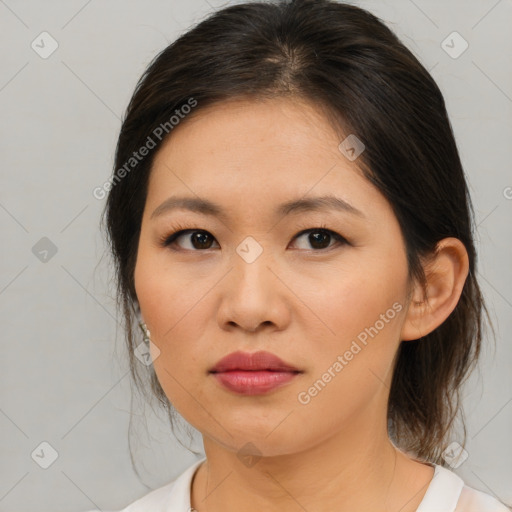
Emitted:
<point x="261" y="360"/>
<point x="253" y="374"/>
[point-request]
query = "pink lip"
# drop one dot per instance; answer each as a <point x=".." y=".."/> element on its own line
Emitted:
<point x="252" y="361"/>
<point x="253" y="374"/>
<point x="253" y="382"/>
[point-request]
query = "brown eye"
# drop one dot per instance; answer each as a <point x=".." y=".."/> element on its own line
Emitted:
<point x="198" y="239"/>
<point x="320" y="238"/>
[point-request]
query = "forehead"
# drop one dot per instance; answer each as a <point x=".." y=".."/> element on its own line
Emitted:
<point x="253" y="154"/>
<point x="244" y="126"/>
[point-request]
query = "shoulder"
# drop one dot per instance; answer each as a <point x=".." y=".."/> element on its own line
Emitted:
<point x="447" y="492"/>
<point x="471" y="500"/>
<point x="155" y="500"/>
<point x="173" y="496"/>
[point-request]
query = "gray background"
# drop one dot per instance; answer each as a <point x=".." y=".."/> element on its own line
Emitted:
<point x="64" y="374"/>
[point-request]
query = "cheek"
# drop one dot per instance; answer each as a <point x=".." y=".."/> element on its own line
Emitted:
<point x="163" y="294"/>
<point x="351" y="370"/>
<point x="361" y="315"/>
<point x="347" y="301"/>
<point x="180" y="364"/>
<point x="171" y="310"/>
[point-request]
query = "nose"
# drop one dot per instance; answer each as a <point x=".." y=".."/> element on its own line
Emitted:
<point x="253" y="297"/>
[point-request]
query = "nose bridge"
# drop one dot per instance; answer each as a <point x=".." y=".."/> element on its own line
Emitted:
<point x="252" y="262"/>
<point x="251" y="297"/>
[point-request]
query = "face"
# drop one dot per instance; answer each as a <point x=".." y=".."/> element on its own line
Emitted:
<point x="323" y="288"/>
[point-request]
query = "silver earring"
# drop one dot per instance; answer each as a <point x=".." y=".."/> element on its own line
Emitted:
<point x="145" y="331"/>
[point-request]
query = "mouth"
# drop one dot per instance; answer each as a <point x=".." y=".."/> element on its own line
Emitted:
<point x="253" y="374"/>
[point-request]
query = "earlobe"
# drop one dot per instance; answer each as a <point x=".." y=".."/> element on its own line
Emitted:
<point x="446" y="272"/>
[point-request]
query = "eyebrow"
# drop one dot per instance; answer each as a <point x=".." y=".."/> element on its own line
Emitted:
<point x="206" y="207"/>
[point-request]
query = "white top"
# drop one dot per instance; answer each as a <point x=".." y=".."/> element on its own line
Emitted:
<point x="446" y="493"/>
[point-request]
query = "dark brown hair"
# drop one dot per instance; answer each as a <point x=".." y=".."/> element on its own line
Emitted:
<point x="347" y="63"/>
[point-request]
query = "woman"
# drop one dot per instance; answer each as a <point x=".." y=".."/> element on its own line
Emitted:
<point x="292" y="228"/>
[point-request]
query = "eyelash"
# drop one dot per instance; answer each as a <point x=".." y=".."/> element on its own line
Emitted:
<point x="178" y="229"/>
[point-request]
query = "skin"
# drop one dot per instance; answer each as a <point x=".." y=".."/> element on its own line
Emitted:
<point x="304" y="303"/>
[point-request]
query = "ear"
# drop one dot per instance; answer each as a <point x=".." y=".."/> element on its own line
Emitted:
<point x="446" y="272"/>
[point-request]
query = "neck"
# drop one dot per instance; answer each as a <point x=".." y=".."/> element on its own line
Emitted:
<point x="353" y="470"/>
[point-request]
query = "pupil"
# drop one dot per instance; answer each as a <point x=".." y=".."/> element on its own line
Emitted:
<point x="200" y="238"/>
<point x="317" y="237"/>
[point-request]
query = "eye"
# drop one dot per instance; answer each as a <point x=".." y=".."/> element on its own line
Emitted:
<point x="200" y="239"/>
<point x="319" y="238"/>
